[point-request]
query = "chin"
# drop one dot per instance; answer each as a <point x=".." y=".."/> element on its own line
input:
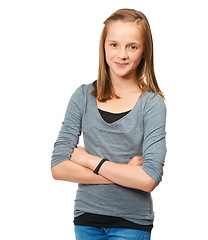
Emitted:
<point x="123" y="75"/>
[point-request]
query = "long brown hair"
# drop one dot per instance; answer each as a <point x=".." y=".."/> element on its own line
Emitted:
<point x="103" y="89"/>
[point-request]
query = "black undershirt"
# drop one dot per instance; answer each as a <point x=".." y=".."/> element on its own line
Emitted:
<point x="97" y="220"/>
<point x="112" y="117"/>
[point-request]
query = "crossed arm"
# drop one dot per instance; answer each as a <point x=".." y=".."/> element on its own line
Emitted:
<point x="136" y="174"/>
<point x="81" y="165"/>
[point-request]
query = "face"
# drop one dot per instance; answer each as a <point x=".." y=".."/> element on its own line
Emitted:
<point x="123" y="49"/>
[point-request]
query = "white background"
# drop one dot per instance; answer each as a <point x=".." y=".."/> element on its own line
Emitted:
<point x="48" y="49"/>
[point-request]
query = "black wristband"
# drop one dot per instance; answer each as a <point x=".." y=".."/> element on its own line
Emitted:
<point x="99" y="165"/>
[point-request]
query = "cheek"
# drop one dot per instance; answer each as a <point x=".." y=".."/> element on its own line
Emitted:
<point x="109" y="53"/>
<point x="136" y="59"/>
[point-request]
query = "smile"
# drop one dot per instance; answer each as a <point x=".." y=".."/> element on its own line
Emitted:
<point x="121" y="64"/>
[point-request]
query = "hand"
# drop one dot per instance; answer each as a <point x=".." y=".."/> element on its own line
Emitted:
<point x="136" y="161"/>
<point x="80" y="156"/>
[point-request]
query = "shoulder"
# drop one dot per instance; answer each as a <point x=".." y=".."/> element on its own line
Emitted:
<point x="78" y="99"/>
<point x="81" y="96"/>
<point x="83" y="90"/>
<point x="153" y="102"/>
<point x="150" y="98"/>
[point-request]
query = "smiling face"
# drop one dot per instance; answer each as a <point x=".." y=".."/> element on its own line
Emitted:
<point x="123" y="49"/>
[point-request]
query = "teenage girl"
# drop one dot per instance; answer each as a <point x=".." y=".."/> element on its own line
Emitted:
<point x="122" y="118"/>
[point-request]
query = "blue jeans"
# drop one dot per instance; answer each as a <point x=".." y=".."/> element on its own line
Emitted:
<point x="94" y="233"/>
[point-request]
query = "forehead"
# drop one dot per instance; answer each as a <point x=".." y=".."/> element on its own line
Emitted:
<point x="124" y="31"/>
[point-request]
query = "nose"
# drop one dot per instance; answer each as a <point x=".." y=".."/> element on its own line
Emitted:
<point x="122" y="54"/>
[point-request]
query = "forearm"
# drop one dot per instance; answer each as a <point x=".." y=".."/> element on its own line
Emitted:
<point x="127" y="176"/>
<point x="124" y="175"/>
<point x="72" y="172"/>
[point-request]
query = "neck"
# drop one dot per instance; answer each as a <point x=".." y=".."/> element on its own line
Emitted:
<point x="124" y="85"/>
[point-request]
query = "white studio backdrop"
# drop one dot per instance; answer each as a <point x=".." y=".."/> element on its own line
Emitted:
<point x="47" y="50"/>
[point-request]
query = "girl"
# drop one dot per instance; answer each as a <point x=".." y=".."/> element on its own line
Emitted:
<point x="122" y="118"/>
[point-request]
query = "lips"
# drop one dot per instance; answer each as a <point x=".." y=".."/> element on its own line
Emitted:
<point x="121" y="64"/>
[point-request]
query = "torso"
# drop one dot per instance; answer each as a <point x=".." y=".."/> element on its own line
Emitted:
<point x="118" y="141"/>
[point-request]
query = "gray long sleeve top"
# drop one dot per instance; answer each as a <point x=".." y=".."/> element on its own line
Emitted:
<point x="140" y="133"/>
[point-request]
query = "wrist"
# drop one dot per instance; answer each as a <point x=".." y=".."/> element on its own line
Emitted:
<point x="97" y="169"/>
<point x="93" y="161"/>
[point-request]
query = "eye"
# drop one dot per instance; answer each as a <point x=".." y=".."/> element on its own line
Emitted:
<point x="133" y="47"/>
<point x="113" y="45"/>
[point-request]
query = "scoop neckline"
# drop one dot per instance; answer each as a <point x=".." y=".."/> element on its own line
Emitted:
<point x="123" y="118"/>
<point x="115" y="113"/>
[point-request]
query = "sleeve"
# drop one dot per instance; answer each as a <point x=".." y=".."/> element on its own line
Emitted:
<point x="154" y="144"/>
<point x="70" y="132"/>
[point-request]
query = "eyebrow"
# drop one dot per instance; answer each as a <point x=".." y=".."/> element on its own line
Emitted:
<point x="130" y="43"/>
